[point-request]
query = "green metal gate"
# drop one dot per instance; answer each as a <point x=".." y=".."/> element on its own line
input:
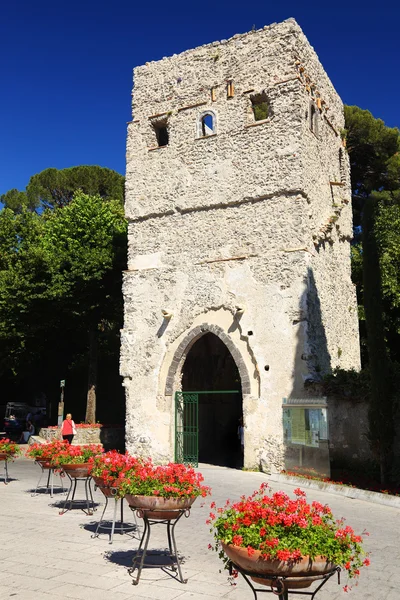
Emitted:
<point x="187" y="425"/>
<point x="187" y="428"/>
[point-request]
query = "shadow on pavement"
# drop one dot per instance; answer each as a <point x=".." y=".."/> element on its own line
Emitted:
<point x="64" y="507"/>
<point x="129" y="529"/>
<point x="154" y="558"/>
<point x="43" y="491"/>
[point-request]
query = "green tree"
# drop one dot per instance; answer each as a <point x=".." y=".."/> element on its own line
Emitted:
<point x="374" y="160"/>
<point x="86" y="241"/>
<point x="371" y="144"/>
<point x="24" y="278"/>
<point x="15" y="200"/>
<point x="381" y="411"/>
<point x="387" y="235"/>
<point x="60" y="289"/>
<point x="55" y="188"/>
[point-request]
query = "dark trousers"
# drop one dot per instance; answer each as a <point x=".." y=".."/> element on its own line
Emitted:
<point x="69" y="438"/>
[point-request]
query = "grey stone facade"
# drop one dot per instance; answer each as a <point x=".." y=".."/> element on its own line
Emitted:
<point x="238" y="227"/>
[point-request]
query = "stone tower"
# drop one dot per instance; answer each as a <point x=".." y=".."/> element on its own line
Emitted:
<point x="239" y="206"/>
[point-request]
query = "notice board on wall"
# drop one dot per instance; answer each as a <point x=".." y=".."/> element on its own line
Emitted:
<point x="305" y="432"/>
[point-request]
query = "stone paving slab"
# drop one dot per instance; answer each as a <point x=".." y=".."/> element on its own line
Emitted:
<point x="46" y="556"/>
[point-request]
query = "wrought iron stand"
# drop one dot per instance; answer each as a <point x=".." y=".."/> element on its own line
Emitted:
<point x="277" y="585"/>
<point x="6" y="472"/>
<point x="122" y="527"/>
<point x="72" y="488"/>
<point x="142" y="552"/>
<point x="50" y="480"/>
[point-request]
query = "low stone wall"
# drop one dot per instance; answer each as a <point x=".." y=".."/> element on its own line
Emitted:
<point x="112" y="438"/>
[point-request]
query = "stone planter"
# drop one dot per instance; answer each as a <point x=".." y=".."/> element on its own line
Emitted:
<point x="109" y="437"/>
<point x="157" y="507"/>
<point x="301" y="572"/>
<point x="77" y="470"/>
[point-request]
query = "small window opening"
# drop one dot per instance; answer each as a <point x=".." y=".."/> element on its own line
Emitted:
<point x="207" y="125"/>
<point x="313" y="118"/>
<point x="260" y="107"/>
<point x="230" y="89"/>
<point x="161" y="131"/>
<point x="342" y="166"/>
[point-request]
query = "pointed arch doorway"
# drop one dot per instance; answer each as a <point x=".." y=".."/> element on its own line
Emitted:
<point x="211" y="384"/>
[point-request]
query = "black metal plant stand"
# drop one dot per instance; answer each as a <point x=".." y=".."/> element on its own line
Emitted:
<point x="277" y="585"/>
<point x="121" y="527"/>
<point x="88" y="494"/>
<point x="141" y="553"/>
<point x="50" y="480"/>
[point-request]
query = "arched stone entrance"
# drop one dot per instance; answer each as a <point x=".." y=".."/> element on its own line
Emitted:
<point x="210" y="370"/>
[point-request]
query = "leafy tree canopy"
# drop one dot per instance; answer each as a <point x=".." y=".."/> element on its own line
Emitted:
<point x="375" y="163"/>
<point x="55" y="188"/>
<point x="387" y="234"/>
<point x="86" y="241"/>
<point x="372" y="146"/>
<point x="15" y="200"/>
<point x="60" y="277"/>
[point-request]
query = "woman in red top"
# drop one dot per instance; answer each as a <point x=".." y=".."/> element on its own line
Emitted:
<point x="68" y="428"/>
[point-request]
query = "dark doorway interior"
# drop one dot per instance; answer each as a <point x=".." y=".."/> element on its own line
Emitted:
<point x="209" y="367"/>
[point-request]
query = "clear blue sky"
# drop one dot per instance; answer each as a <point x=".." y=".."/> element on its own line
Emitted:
<point x="66" y="67"/>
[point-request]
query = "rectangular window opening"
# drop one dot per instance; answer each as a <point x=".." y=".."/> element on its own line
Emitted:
<point x="260" y="107"/>
<point x="161" y="131"/>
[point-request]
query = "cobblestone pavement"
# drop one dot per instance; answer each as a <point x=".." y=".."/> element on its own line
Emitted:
<point x="45" y="556"/>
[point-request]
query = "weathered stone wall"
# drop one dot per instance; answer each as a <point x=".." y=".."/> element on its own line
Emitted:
<point x="333" y="326"/>
<point x="233" y="219"/>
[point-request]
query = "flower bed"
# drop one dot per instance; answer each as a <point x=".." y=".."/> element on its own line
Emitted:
<point x="287" y="530"/>
<point x="346" y="479"/>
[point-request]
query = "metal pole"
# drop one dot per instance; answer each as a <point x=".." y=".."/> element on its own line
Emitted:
<point x="61" y="404"/>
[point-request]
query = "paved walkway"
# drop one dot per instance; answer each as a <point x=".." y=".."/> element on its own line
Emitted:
<point x="45" y="556"/>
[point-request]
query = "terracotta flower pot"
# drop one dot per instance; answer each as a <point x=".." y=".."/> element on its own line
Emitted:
<point x="301" y="572"/>
<point x="77" y="469"/>
<point x="157" y="507"/>
<point x="109" y="491"/>
<point x="44" y="463"/>
<point x="4" y="456"/>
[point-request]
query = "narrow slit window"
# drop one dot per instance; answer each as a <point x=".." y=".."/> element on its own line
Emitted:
<point x="342" y="167"/>
<point x="161" y="131"/>
<point x="313" y="119"/>
<point x="260" y="107"/>
<point x="207" y="126"/>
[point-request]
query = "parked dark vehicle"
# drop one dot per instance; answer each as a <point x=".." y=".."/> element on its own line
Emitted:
<point x="17" y="414"/>
<point x="13" y="425"/>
